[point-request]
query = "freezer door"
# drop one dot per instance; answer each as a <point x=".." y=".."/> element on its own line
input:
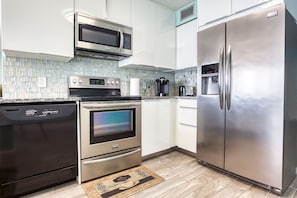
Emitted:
<point x="210" y="125"/>
<point x="254" y="122"/>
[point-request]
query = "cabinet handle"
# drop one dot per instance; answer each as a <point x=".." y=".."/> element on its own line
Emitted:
<point x="184" y="107"/>
<point x="190" y="125"/>
<point x="111" y="158"/>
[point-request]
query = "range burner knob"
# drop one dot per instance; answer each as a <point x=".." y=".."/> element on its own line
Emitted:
<point x="107" y="82"/>
<point x="117" y="82"/>
<point x="80" y="81"/>
<point x="112" y="82"/>
<point x="74" y="81"/>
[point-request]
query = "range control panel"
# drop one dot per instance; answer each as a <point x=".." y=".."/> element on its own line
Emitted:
<point x="94" y="82"/>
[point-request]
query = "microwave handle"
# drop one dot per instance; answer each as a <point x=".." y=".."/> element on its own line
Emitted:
<point x="121" y="39"/>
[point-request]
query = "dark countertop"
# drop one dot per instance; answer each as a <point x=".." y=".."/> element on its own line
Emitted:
<point x="37" y="100"/>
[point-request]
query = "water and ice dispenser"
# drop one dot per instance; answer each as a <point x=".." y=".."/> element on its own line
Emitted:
<point x="210" y="79"/>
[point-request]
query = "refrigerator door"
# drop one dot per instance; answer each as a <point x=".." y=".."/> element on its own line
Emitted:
<point x="210" y="125"/>
<point x="254" y="122"/>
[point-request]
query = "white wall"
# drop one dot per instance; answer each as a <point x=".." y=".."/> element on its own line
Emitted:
<point x="292" y="7"/>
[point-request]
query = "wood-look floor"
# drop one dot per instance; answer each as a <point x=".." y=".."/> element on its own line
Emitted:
<point x="184" y="177"/>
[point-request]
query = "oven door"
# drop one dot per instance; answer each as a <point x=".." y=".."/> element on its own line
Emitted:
<point x="108" y="127"/>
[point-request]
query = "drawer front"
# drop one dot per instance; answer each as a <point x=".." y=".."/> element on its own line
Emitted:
<point x="187" y="116"/>
<point x="190" y="103"/>
<point x="186" y="137"/>
<point x="110" y="163"/>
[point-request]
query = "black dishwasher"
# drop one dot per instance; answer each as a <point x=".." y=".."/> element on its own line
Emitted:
<point x="38" y="146"/>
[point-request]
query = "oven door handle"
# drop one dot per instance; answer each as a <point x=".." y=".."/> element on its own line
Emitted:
<point x="111" y="158"/>
<point x="94" y="106"/>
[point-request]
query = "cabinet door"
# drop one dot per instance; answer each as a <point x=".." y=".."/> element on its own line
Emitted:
<point x="149" y="127"/>
<point x="186" y="129"/>
<point x="186" y="137"/>
<point x="164" y="49"/>
<point x="210" y="10"/>
<point x="239" y="5"/>
<point x="143" y="20"/>
<point x="157" y="125"/>
<point x="119" y="11"/>
<point x="186" y="45"/>
<point x="38" y="27"/>
<point x="95" y="8"/>
<point x="153" y="35"/>
<point x="163" y="137"/>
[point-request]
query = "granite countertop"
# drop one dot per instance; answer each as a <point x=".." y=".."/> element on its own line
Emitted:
<point x="37" y="100"/>
<point x="40" y="100"/>
<point x="167" y="97"/>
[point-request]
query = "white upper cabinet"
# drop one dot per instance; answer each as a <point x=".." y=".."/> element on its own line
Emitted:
<point x="164" y="52"/>
<point x="37" y="29"/>
<point x="210" y="10"/>
<point x="95" y="8"/>
<point x="111" y="10"/>
<point x="239" y="5"/>
<point x="153" y="35"/>
<point x="119" y="11"/>
<point x="186" y="45"/>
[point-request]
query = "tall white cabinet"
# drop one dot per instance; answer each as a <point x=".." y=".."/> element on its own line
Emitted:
<point x="38" y="29"/>
<point x="186" y="45"/>
<point x="153" y="35"/>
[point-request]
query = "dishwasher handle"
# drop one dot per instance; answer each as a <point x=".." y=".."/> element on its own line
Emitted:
<point x="32" y="113"/>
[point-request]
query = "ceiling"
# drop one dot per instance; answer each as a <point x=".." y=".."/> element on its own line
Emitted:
<point x="174" y="4"/>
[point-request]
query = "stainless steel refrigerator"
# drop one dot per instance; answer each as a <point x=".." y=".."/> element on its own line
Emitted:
<point x="247" y="101"/>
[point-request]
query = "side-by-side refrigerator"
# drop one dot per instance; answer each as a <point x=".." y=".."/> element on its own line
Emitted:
<point x="247" y="100"/>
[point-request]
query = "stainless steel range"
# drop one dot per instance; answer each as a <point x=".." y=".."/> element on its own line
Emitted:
<point x="110" y="126"/>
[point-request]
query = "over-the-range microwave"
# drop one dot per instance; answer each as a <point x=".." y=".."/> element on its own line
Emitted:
<point x="103" y="39"/>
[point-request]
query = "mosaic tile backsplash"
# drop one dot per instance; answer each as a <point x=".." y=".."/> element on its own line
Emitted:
<point x="20" y="76"/>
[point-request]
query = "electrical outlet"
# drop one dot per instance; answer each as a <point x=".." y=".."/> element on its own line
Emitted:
<point x="41" y="82"/>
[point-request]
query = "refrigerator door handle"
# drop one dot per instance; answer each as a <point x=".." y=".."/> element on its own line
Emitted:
<point x="228" y="77"/>
<point x="221" y="77"/>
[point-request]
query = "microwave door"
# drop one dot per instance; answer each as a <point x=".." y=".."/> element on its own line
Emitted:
<point x="99" y="39"/>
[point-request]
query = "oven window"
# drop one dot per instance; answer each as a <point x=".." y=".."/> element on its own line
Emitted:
<point x="112" y="125"/>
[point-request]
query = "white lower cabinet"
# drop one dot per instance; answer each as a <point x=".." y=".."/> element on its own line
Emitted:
<point x="186" y="124"/>
<point x="158" y="125"/>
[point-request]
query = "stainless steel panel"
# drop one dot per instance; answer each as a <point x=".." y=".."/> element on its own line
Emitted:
<point x="90" y="150"/>
<point x="210" y="126"/>
<point x="254" y="123"/>
<point x="290" y="136"/>
<point x="110" y="163"/>
<point x="85" y="48"/>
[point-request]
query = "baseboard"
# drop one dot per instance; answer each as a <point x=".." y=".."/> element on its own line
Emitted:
<point x="186" y="152"/>
<point x="157" y="154"/>
<point x="175" y="148"/>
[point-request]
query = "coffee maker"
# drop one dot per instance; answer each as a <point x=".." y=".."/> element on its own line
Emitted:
<point x="162" y="87"/>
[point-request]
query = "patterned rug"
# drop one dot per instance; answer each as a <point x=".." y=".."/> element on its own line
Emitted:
<point x="122" y="184"/>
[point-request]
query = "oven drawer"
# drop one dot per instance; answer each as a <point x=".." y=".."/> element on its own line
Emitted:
<point x="95" y="167"/>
